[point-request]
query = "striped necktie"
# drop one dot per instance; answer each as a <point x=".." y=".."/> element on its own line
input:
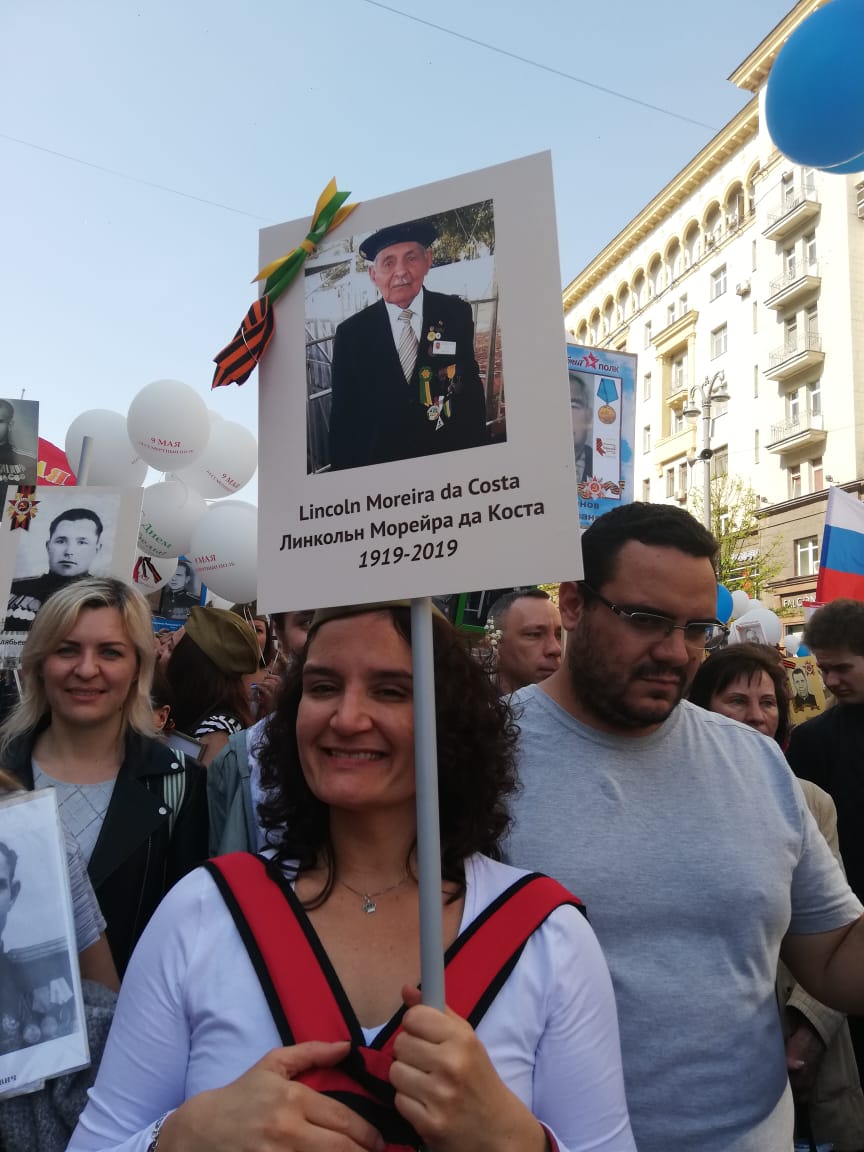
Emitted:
<point x="407" y="344"/>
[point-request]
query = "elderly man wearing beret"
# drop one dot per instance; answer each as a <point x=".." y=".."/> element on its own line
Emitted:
<point x="405" y="382"/>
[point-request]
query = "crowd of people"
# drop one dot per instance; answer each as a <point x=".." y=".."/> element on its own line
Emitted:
<point x="256" y="899"/>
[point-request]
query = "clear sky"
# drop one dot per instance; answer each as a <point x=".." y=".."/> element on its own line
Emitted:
<point x="142" y="146"/>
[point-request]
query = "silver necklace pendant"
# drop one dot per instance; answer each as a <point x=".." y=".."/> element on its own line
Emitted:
<point x="369" y="905"/>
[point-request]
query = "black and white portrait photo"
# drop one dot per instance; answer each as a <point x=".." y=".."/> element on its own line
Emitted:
<point x="41" y="1013"/>
<point x="59" y="535"/>
<point x="19" y="441"/>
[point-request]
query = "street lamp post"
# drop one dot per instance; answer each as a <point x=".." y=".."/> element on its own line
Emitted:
<point x="700" y="402"/>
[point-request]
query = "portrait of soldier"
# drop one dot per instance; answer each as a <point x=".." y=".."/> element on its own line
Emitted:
<point x="74" y="542"/>
<point x="405" y="380"/>
<point x="16" y="466"/>
<point x="582" y="419"/>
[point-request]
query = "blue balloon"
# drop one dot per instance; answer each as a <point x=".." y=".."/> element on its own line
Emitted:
<point x="724" y="603"/>
<point x="803" y="650"/>
<point x="856" y="164"/>
<point x="814" y="103"/>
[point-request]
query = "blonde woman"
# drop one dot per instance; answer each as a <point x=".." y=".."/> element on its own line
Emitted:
<point x="84" y="725"/>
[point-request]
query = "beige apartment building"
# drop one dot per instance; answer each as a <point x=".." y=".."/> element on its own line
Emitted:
<point x="747" y="265"/>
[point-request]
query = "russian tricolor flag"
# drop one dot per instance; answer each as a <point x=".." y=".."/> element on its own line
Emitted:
<point x="841" y="565"/>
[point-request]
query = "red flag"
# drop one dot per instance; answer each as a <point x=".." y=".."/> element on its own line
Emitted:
<point x="53" y="467"/>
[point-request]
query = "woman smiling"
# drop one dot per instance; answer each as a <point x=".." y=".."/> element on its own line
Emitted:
<point x="84" y="726"/>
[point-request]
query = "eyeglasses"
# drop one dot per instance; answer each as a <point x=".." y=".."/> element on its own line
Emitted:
<point x="698" y="634"/>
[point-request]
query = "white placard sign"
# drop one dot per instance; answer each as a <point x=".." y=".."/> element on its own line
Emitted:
<point x="42" y="1028"/>
<point x="51" y="536"/>
<point x="397" y="464"/>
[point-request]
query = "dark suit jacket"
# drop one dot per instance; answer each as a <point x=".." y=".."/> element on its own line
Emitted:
<point x="136" y="860"/>
<point x="588" y="472"/>
<point x="377" y="416"/>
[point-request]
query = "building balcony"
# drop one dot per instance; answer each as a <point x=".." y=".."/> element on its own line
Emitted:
<point x="801" y="431"/>
<point x="795" y="356"/>
<point x="678" y="393"/>
<point x="675" y="446"/>
<point x="793" y="287"/>
<point x="796" y="208"/>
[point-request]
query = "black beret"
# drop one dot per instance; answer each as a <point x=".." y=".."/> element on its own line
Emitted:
<point x="416" y="231"/>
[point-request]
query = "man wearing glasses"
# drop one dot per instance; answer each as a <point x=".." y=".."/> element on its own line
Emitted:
<point x="688" y="838"/>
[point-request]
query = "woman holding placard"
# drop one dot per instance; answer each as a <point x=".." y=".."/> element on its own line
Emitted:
<point x="84" y="725"/>
<point x="266" y="987"/>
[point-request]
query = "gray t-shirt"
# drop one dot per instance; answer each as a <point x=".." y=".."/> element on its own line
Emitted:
<point x="695" y="852"/>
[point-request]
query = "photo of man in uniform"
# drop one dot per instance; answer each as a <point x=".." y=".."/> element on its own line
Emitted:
<point x="74" y="542"/>
<point x="405" y="380"/>
<point x="803" y="699"/>
<point x="16" y="466"/>
<point x="582" y="418"/>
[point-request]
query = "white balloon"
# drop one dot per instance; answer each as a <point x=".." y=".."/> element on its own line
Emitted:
<point x="759" y="604"/>
<point x="740" y="603"/>
<point x="113" y="461"/>
<point x="150" y="574"/>
<point x="227" y="464"/>
<point x="224" y="550"/>
<point x="768" y="621"/>
<point x="168" y="424"/>
<point x="792" y="642"/>
<point x="169" y="511"/>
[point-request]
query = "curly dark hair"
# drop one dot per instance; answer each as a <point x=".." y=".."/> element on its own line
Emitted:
<point x="200" y="688"/>
<point x="476" y="763"/>
<point x="728" y="664"/>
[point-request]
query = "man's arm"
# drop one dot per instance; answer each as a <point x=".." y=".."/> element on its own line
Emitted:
<point x="830" y="965"/>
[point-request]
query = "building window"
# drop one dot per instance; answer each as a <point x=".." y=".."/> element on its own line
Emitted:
<point x="718" y="341"/>
<point x="646" y="438"/>
<point x="811" y="320"/>
<point x="670" y="482"/>
<point x="795" y="482"/>
<point x="790" y="334"/>
<point x="683" y="306"/>
<point x="679" y="422"/>
<point x="814" y="398"/>
<point x="807" y="556"/>
<point x="817" y="474"/>
<point x="789" y="263"/>
<point x="679" y="373"/>
<point x="646" y="386"/>
<point x="810" y="250"/>
<point x="646" y="491"/>
<point x="753" y="256"/>
<point x="718" y="283"/>
<point x="808" y="179"/>
<point x="720" y="463"/>
<point x="755" y="381"/>
<point x="647" y="333"/>
<point x="756" y="446"/>
<point x="793" y="406"/>
<point x="670" y="313"/>
<point x="755" y="316"/>
<point x="682" y="478"/>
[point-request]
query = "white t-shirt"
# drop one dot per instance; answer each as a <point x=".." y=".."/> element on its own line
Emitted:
<point x="192" y="1016"/>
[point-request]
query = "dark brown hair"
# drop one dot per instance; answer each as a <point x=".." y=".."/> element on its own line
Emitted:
<point x="476" y="762"/>
<point x="201" y="688"/>
<point x="737" y="660"/>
